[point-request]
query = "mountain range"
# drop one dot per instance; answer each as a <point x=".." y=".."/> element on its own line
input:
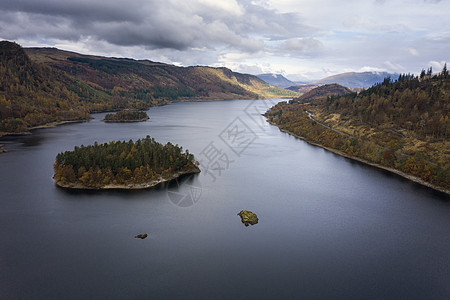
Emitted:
<point x="353" y="80"/>
<point x="357" y="80"/>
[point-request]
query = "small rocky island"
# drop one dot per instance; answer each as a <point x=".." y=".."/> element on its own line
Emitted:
<point x="126" y="116"/>
<point x="141" y="236"/>
<point x="248" y="218"/>
<point x="122" y="165"/>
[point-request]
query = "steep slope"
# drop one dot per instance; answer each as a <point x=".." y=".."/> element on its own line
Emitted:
<point x="322" y="92"/>
<point x="401" y="126"/>
<point x="357" y="80"/>
<point x="33" y="94"/>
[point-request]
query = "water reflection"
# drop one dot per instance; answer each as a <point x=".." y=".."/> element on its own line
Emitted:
<point x="33" y="140"/>
<point x="184" y="191"/>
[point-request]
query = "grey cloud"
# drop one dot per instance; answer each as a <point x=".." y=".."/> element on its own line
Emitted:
<point x="302" y="46"/>
<point x="79" y="10"/>
<point x="151" y="24"/>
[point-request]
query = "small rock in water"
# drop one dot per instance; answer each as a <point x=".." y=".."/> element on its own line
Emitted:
<point x="141" y="236"/>
<point x="248" y="218"/>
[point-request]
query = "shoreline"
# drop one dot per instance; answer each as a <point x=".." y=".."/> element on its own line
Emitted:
<point x="58" y="123"/>
<point x="125" y="121"/>
<point x="129" y="186"/>
<point x="48" y="125"/>
<point x="392" y="170"/>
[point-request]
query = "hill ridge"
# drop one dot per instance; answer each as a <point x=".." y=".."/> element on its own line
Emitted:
<point x="47" y="85"/>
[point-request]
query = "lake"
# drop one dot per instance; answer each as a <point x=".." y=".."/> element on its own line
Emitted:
<point x="328" y="227"/>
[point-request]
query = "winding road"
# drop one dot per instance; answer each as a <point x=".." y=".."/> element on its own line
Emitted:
<point x="321" y="124"/>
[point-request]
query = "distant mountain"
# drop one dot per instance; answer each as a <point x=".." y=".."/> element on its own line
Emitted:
<point x="322" y="92"/>
<point x="353" y="80"/>
<point x="357" y="80"/>
<point x="276" y="80"/>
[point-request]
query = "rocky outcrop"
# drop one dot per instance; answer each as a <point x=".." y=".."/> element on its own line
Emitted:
<point x="248" y="218"/>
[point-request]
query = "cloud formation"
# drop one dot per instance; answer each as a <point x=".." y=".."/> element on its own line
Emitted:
<point x="297" y="37"/>
<point x="170" y="24"/>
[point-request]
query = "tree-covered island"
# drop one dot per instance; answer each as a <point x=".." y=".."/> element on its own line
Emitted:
<point x="122" y="165"/>
<point x="126" y="116"/>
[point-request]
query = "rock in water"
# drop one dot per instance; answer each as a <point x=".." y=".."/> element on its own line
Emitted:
<point x="247" y="217"/>
<point x="141" y="236"/>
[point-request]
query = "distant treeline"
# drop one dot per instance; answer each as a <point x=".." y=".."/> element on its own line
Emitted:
<point x="126" y="116"/>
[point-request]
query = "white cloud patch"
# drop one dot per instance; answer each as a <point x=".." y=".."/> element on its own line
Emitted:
<point x="437" y="65"/>
<point x="371" y="69"/>
<point x="413" y="52"/>
<point x="393" y="67"/>
<point x="229" y="6"/>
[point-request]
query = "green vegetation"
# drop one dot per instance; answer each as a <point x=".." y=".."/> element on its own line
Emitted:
<point x="33" y="94"/>
<point x="46" y="85"/>
<point x="402" y="125"/>
<point x="152" y="81"/>
<point x="419" y="105"/>
<point x="126" y="116"/>
<point x="122" y="163"/>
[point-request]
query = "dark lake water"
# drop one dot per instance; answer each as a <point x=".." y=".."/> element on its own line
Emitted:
<point x="328" y="227"/>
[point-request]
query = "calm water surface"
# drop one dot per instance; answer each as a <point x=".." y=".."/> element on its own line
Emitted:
<point x="329" y="227"/>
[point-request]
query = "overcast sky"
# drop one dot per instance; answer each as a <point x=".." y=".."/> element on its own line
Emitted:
<point x="302" y="39"/>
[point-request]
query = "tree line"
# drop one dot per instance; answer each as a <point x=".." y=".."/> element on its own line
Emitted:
<point x="126" y="116"/>
<point x="121" y="162"/>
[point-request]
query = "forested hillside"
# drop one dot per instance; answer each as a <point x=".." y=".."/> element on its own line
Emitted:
<point x="402" y="124"/>
<point x="43" y="85"/>
<point x="147" y="79"/>
<point x="34" y="94"/>
<point x="419" y="105"/>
